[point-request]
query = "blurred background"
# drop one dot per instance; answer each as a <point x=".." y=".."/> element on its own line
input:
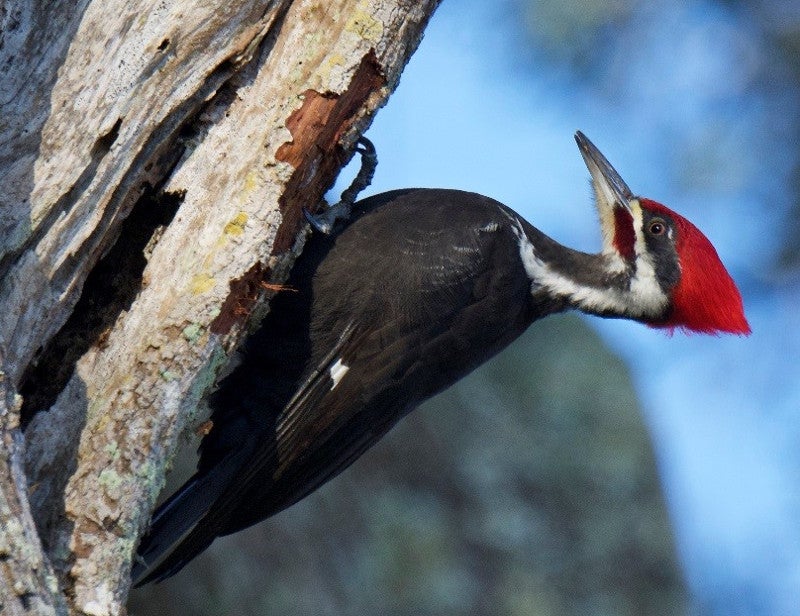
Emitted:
<point x="596" y="467"/>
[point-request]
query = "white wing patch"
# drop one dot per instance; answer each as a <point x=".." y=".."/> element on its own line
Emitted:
<point x="645" y="296"/>
<point x="338" y="370"/>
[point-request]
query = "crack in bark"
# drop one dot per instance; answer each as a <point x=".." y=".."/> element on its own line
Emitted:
<point x="110" y="289"/>
<point x="151" y="161"/>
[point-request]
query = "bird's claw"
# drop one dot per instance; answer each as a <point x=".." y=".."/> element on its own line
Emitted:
<point x="325" y="221"/>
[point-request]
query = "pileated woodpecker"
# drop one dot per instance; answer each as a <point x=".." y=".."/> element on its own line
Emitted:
<point x="416" y="289"/>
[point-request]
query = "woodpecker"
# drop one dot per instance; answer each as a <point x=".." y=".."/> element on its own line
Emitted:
<point x="409" y="294"/>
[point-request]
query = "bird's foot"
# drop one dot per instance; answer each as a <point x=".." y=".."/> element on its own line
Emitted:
<point x="325" y="221"/>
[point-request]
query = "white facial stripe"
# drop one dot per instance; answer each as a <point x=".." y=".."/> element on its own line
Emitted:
<point x="644" y="284"/>
<point x="640" y="245"/>
<point x="645" y="296"/>
<point x="338" y="370"/>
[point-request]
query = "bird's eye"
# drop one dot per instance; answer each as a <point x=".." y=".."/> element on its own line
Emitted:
<point x="657" y="227"/>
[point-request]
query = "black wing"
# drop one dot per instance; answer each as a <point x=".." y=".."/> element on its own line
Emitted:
<point x="417" y="290"/>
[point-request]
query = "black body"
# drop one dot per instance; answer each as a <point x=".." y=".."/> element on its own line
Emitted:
<point x="419" y="288"/>
<point x="413" y="291"/>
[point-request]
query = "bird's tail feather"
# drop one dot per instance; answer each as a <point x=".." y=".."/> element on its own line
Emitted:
<point x="175" y="537"/>
<point x="174" y="557"/>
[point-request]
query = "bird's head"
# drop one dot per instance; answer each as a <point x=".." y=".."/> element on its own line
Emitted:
<point x="676" y="276"/>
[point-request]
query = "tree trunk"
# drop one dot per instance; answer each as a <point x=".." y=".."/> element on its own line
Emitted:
<point x="155" y="159"/>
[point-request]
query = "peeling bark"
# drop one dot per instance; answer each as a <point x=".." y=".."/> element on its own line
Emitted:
<point x="158" y="157"/>
<point x="27" y="582"/>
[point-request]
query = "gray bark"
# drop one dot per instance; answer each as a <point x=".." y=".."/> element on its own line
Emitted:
<point x="155" y="159"/>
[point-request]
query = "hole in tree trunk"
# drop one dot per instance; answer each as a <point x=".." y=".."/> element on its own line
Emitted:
<point x="109" y="289"/>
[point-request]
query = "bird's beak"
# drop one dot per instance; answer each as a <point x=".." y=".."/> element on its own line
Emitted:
<point x="615" y="201"/>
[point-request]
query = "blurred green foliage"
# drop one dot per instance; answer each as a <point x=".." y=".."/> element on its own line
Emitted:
<point x="528" y="488"/>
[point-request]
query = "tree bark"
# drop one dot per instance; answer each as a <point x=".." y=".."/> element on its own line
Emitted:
<point x="155" y="160"/>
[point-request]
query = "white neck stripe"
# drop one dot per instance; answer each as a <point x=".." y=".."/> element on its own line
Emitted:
<point x="644" y="297"/>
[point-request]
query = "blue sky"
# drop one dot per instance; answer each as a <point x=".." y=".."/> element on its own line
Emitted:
<point x="683" y="113"/>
